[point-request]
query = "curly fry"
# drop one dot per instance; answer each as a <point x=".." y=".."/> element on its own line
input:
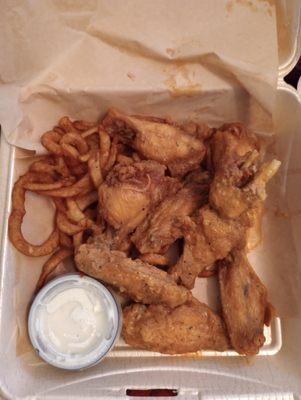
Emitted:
<point x="83" y="186"/>
<point x="59" y="130"/>
<point x="74" y="213"/>
<point x="60" y="204"/>
<point x="15" y="223"/>
<point x="38" y="187"/>
<point x="50" y="165"/>
<point x="112" y="157"/>
<point x="94" y="168"/>
<point x="84" y="158"/>
<point x="105" y="145"/>
<point x="82" y="125"/>
<point x="61" y="167"/>
<point x="67" y="226"/>
<point x="93" y="142"/>
<point x="77" y="239"/>
<point x="73" y="145"/>
<point x="66" y="124"/>
<point x="89" y="132"/>
<point x="21" y="244"/>
<point x="18" y="195"/>
<point x="50" y="140"/>
<point x="79" y="169"/>
<point x="66" y="240"/>
<point x="86" y="200"/>
<point x="51" y="265"/>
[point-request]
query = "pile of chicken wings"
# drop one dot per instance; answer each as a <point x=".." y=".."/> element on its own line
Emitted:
<point x="182" y="202"/>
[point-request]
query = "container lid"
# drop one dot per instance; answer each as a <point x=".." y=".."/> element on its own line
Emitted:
<point x="289" y="34"/>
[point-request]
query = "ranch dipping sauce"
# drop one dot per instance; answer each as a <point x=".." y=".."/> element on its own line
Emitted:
<point x="73" y="322"/>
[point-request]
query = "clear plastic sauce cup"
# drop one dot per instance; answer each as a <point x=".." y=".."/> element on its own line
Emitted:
<point x="73" y="322"/>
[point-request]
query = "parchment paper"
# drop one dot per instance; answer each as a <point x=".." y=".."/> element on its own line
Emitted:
<point x="211" y="60"/>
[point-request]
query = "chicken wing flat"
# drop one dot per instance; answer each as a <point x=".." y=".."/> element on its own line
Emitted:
<point x="163" y="226"/>
<point x="185" y="329"/>
<point x="130" y="191"/>
<point x="159" y="141"/>
<point x="207" y="238"/>
<point x="244" y="303"/>
<point x="142" y="282"/>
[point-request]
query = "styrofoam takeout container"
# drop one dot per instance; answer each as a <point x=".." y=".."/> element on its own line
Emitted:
<point x="274" y="374"/>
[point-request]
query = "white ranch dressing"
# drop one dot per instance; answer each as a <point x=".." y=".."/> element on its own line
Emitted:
<point x="73" y="322"/>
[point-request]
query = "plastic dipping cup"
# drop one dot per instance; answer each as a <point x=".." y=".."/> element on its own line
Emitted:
<point x="73" y="322"/>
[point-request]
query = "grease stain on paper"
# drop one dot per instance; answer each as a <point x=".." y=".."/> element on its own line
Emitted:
<point x="253" y="5"/>
<point x="170" y="52"/>
<point x="131" y="76"/>
<point x="180" y="80"/>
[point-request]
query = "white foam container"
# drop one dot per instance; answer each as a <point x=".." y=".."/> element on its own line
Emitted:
<point x="275" y="374"/>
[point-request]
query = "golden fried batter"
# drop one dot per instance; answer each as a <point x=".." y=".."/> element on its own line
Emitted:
<point x="244" y="303"/>
<point x="187" y="328"/>
<point x="234" y="159"/>
<point x="183" y="197"/>
<point x="142" y="282"/>
<point x="207" y="238"/>
<point x="157" y="140"/>
<point x="130" y="191"/>
<point x="163" y="226"/>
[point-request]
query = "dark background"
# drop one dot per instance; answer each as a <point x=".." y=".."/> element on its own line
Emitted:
<point x="293" y="77"/>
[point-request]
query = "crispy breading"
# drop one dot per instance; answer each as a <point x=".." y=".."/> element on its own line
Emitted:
<point x="141" y="281"/>
<point x="244" y="303"/>
<point x="234" y="159"/>
<point x="187" y="328"/>
<point x="163" y="226"/>
<point x="157" y="140"/>
<point x="207" y="238"/>
<point x="131" y="191"/>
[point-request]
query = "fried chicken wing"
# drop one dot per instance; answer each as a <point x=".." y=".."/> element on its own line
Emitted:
<point x="130" y="191"/>
<point x="163" y="226"/>
<point x="185" y="329"/>
<point x="142" y="282"/>
<point x="238" y="181"/>
<point x="244" y="303"/>
<point x="157" y="140"/>
<point x="207" y="238"/>
<point x="234" y="159"/>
